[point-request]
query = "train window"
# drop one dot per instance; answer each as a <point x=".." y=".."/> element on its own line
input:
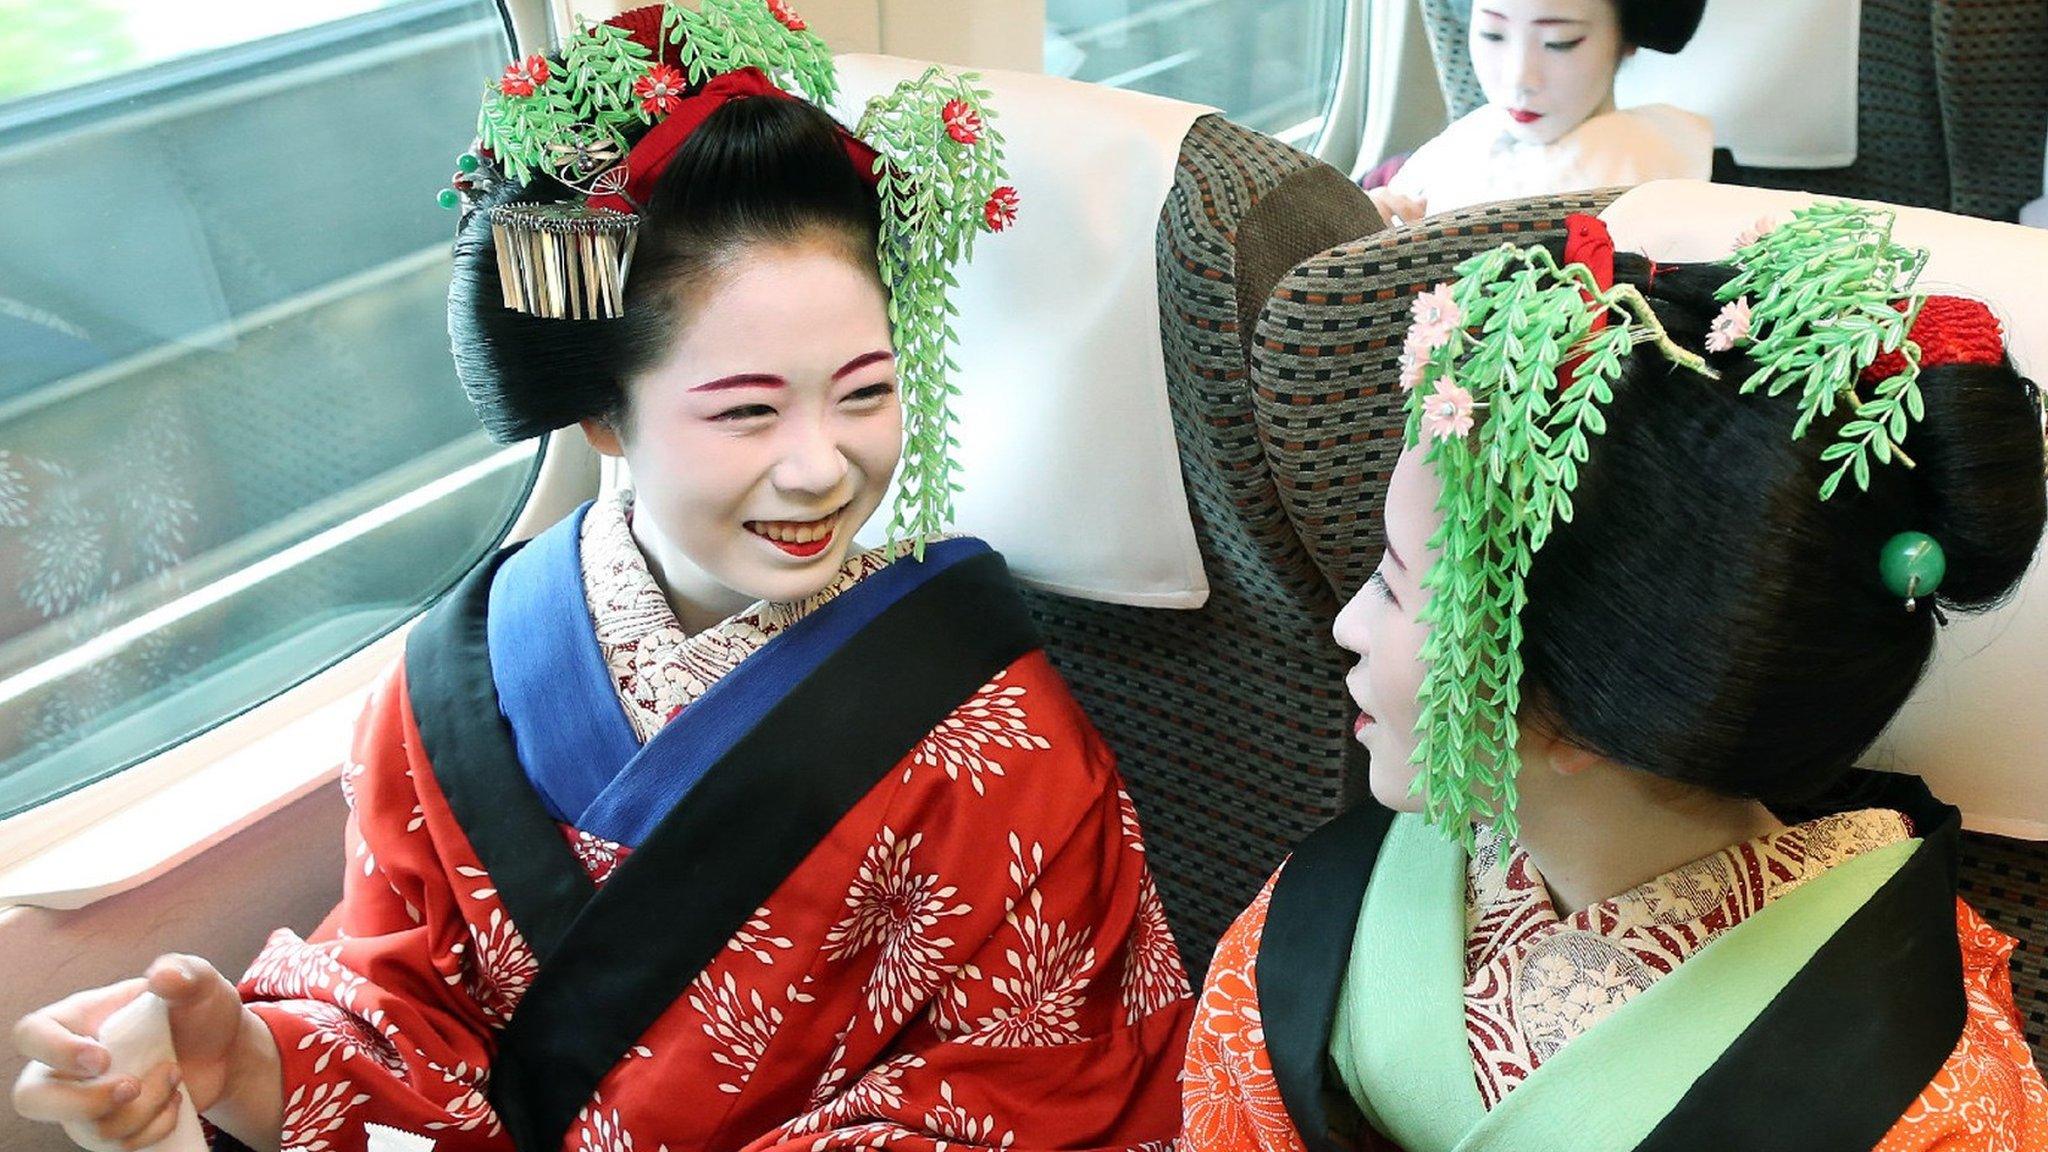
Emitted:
<point x="232" y="448"/>
<point x="1270" y="65"/>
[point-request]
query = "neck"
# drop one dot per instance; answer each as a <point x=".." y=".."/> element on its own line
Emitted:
<point x="697" y="600"/>
<point x="1606" y="829"/>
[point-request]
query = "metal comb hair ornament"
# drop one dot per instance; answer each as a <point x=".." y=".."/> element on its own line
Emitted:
<point x="568" y="119"/>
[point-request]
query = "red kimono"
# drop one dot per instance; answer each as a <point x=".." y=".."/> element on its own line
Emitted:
<point x="879" y="886"/>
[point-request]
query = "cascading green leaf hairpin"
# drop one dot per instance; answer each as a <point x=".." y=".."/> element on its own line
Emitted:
<point x="571" y="121"/>
<point x="938" y="174"/>
<point x="940" y="182"/>
<point x="1816" y="300"/>
<point x="1482" y="368"/>
<point x="1482" y="372"/>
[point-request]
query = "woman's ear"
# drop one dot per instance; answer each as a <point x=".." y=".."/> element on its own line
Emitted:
<point x="603" y="437"/>
<point x="1540" y="745"/>
<point x="1569" y="759"/>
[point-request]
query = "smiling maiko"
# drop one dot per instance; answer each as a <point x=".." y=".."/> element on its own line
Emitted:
<point x="691" y="823"/>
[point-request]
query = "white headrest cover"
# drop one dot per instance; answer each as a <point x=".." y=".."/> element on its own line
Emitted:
<point x="1778" y="80"/>
<point x="1066" y="441"/>
<point x="1977" y="728"/>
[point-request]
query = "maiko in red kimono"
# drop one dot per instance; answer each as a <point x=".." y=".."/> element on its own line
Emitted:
<point x="878" y="885"/>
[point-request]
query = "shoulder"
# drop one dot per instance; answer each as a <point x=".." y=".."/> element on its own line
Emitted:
<point x="1469" y="136"/>
<point x="1652" y="142"/>
<point x="378" y="775"/>
<point x="1988" y="1095"/>
<point x="1233" y="974"/>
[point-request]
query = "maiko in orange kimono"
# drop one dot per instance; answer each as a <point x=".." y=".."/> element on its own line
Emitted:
<point x="1867" y="1008"/>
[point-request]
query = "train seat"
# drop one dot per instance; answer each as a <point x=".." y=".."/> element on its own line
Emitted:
<point x="1324" y="369"/>
<point x="1200" y="671"/>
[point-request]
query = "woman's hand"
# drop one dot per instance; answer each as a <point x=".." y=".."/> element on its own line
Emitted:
<point x="1395" y="208"/>
<point x="225" y="1059"/>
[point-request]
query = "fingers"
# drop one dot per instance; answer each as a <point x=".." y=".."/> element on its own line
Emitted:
<point x="182" y="979"/>
<point x="146" y="1118"/>
<point x="205" y="1010"/>
<point x="41" y="1095"/>
<point x="159" y="1127"/>
<point x="61" y="1035"/>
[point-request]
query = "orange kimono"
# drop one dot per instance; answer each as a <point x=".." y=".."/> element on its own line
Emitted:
<point x="1849" y="1001"/>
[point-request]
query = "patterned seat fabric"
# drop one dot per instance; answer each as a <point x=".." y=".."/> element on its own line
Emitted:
<point x="1324" y="368"/>
<point x="1953" y="103"/>
<point x="1209" y="710"/>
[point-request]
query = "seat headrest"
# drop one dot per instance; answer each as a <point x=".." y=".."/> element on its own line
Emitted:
<point x="1779" y="80"/>
<point x="1067" y="444"/>
<point x="1977" y="728"/>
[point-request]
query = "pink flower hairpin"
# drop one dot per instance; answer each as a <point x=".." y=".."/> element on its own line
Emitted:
<point x="1730" y="327"/>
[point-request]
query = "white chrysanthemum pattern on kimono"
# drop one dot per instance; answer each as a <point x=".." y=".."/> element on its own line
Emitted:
<point x="1051" y="971"/>
<point x="598" y="855"/>
<point x="1153" y="976"/>
<point x="316" y="1111"/>
<point x="467" y="1109"/>
<point x="895" y="907"/>
<point x="879" y="1093"/>
<point x="502" y="966"/>
<point x="597" y="1130"/>
<point x="968" y="740"/>
<point x="348" y="1036"/>
<point x="948" y="1119"/>
<point x="741" y="1024"/>
<point x="291" y="969"/>
<point x="757" y="938"/>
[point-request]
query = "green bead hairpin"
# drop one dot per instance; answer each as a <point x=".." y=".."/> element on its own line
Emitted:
<point x="1912" y="565"/>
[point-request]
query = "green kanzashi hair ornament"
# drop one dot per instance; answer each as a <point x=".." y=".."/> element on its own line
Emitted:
<point x="1482" y="369"/>
<point x="726" y="35"/>
<point x="1816" y="303"/>
<point x="940" y="182"/>
<point x="570" y="120"/>
<point x="938" y="176"/>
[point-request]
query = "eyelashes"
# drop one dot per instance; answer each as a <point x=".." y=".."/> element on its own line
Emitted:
<point x="871" y="394"/>
<point x="1552" y="45"/>
<point x="1378" y="580"/>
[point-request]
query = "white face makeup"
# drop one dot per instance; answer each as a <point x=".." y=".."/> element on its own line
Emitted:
<point x="1549" y="64"/>
<point x="1381" y="625"/>
<point x="766" y="437"/>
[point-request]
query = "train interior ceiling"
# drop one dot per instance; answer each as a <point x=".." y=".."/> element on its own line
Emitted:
<point x="235" y="461"/>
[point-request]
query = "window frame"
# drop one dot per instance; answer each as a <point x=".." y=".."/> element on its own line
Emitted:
<point x="138" y="823"/>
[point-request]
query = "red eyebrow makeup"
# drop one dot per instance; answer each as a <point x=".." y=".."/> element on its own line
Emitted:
<point x="860" y="362"/>
<point x="743" y="380"/>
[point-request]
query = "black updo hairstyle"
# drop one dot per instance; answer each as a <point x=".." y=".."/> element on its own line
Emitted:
<point x="1708" y="618"/>
<point x="759" y="170"/>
